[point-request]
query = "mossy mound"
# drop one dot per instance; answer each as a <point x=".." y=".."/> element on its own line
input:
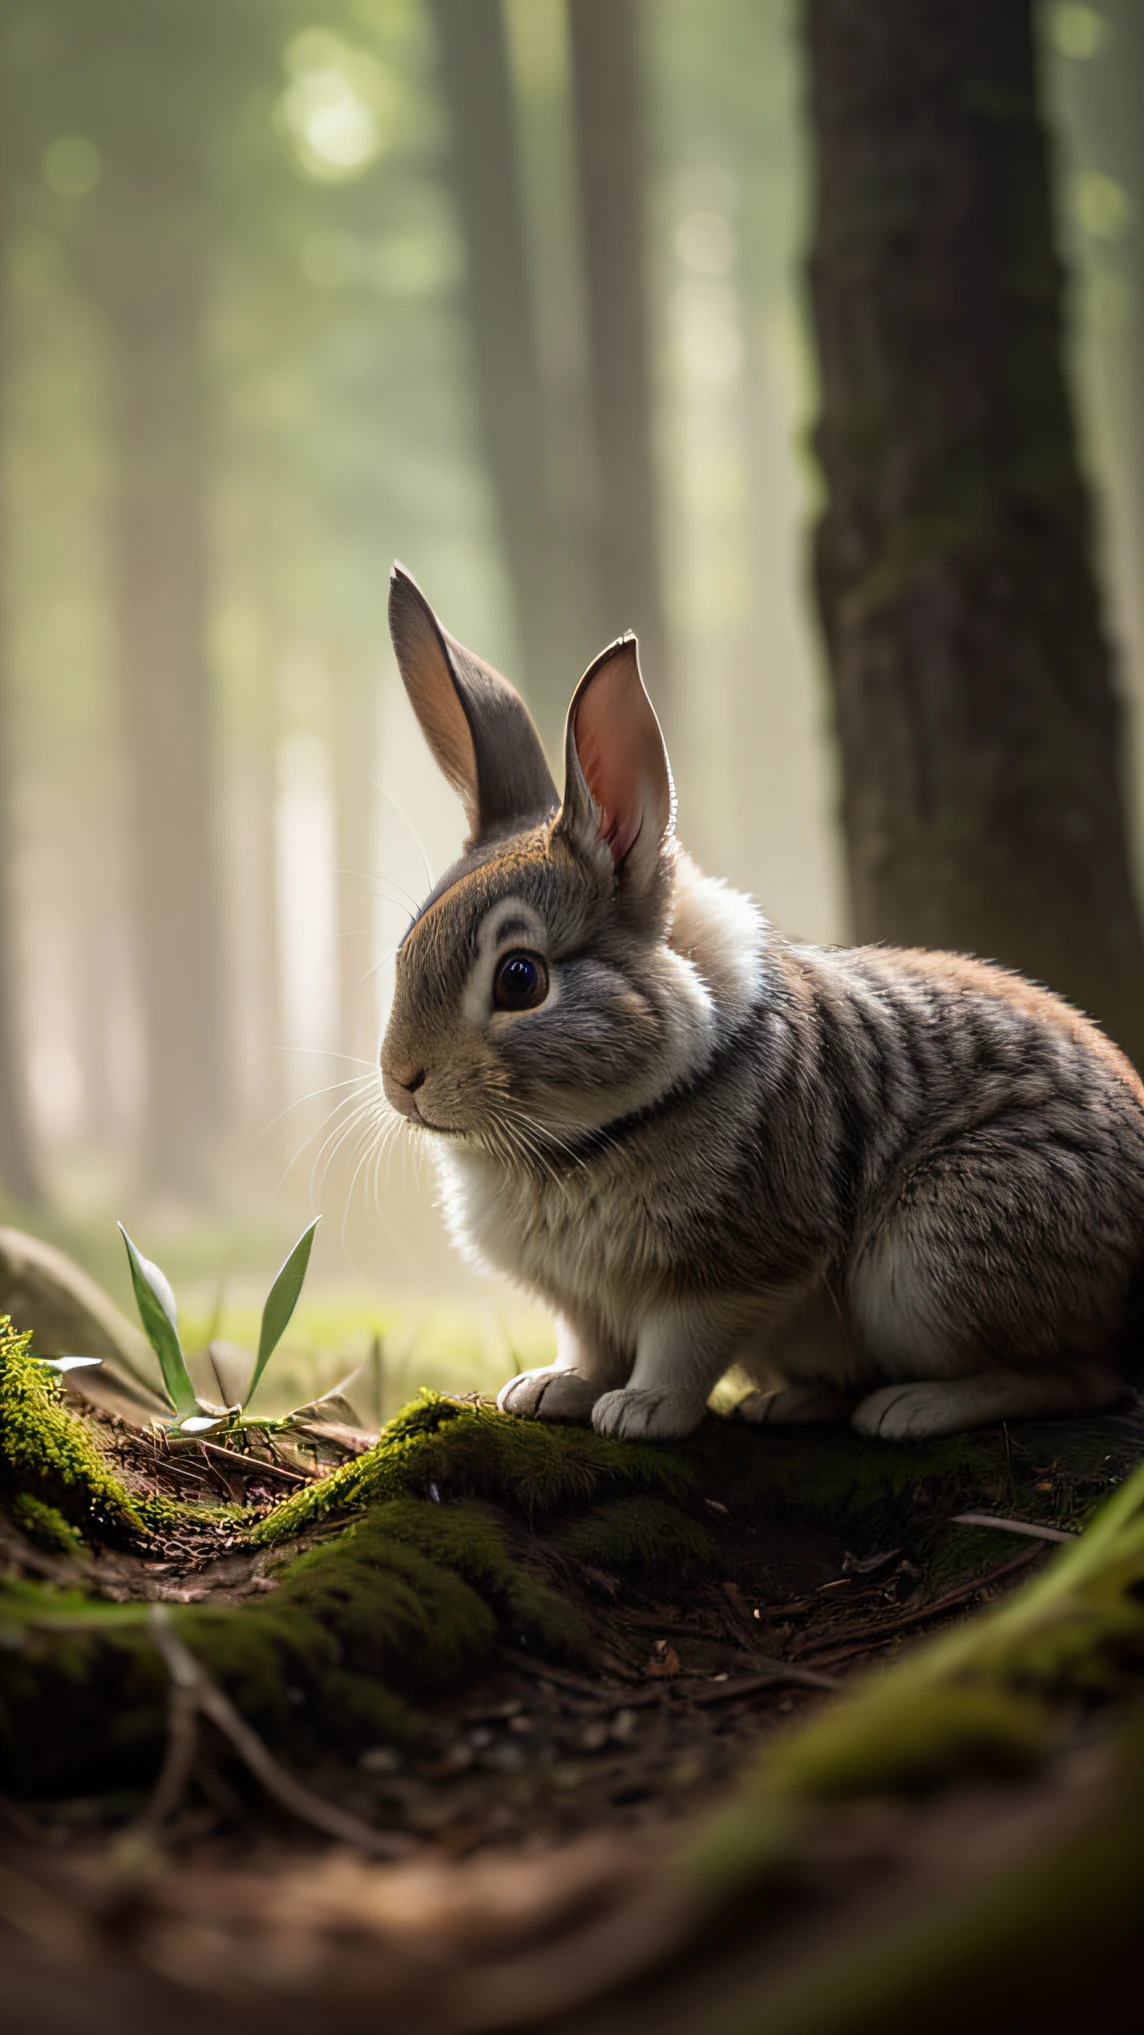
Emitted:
<point x="397" y="1577"/>
<point x="440" y="1448"/>
<point x="50" y="1454"/>
<point x="425" y="1562"/>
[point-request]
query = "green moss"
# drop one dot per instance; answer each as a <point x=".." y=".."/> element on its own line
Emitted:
<point x="44" y="1526"/>
<point x="474" y="1452"/>
<point x="473" y="1542"/>
<point x="49" y="1454"/>
<point x="43" y="1444"/>
<point x="403" y="1603"/>
<point x="641" y="1535"/>
<point x="1047" y="1941"/>
<point x="428" y="1559"/>
<point x="902" y="1738"/>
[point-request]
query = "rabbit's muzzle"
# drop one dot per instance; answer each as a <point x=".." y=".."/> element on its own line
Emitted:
<point x="401" y="1084"/>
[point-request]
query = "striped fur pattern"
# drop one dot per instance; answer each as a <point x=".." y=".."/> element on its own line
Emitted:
<point x="902" y="1188"/>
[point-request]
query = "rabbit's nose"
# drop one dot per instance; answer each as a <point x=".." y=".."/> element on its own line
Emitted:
<point x="409" y="1078"/>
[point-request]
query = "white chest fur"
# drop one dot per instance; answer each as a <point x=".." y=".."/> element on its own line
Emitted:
<point x="582" y="1244"/>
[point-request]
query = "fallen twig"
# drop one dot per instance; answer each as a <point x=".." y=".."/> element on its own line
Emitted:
<point x="646" y="1621"/>
<point x="1025" y="1526"/>
<point x="841" y="1645"/>
<point x="768" y="1677"/>
<point x="543" y="1671"/>
<point x="194" y="1693"/>
<point x="256" y="1466"/>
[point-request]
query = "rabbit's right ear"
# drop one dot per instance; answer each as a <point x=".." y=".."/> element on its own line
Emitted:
<point x="475" y="722"/>
<point x="617" y="783"/>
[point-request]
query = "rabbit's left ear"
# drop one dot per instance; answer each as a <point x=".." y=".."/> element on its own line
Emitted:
<point x="475" y="722"/>
<point x="617" y="782"/>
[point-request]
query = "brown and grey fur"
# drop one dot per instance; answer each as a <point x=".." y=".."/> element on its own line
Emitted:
<point x="902" y="1187"/>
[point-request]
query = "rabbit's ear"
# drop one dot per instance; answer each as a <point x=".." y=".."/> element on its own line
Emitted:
<point x="617" y="782"/>
<point x="476" y="724"/>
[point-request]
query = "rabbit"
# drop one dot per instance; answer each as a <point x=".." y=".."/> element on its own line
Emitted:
<point x="897" y="1187"/>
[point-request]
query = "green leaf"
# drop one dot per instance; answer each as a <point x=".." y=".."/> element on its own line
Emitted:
<point x="281" y="1301"/>
<point x="159" y="1315"/>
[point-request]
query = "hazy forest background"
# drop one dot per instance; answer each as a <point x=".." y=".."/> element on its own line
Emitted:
<point x="511" y="290"/>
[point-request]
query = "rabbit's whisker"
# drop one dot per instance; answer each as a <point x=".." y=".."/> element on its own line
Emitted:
<point x="347" y="1102"/>
<point x="332" y="1143"/>
<point x="353" y="1081"/>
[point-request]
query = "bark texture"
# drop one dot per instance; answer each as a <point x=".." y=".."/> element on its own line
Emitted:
<point x="978" y="719"/>
<point x="610" y="154"/>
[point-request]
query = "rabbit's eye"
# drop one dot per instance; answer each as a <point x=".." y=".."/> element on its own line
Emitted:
<point x="520" y="983"/>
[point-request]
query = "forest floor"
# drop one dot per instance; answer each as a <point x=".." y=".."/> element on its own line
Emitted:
<point x="498" y="1853"/>
<point x="685" y="1682"/>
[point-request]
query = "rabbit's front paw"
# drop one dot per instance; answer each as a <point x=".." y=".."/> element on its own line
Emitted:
<point x="549" y="1394"/>
<point x="632" y="1414"/>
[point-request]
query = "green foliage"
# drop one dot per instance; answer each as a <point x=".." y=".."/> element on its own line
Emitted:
<point x="281" y="1301"/>
<point x="160" y="1318"/>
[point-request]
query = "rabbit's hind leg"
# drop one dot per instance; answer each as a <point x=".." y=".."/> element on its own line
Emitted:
<point x="949" y="1405"/>
<point x="803" y="1366"/>
<point x="795" y="1406"/>
<point x="984" y="1293"/>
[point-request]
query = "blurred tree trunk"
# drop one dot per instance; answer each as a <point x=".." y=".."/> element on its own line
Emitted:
<point x="355" y="752"/>
<point x="18" y="1172"/>
<point x="608" y="101"/>
<point x="153" y="299"/>
<point x="474" y="70"/>
<point x="979" y="726"/>
<point x="266" y="959"/>
<point x="1126" y="71"/>
<point x="1106" y="95"/>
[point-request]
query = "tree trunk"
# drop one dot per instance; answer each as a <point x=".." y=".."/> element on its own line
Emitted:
<point x="1106" y="96"/>
<point x="610" y="162"/>
<point x="473" y="62"/>
<point x="18" y="1173"/>
<point x="153" y="300"/>
<point x="355" y="740"/>
<point x="1126" y="63"/>
<point x="977" y="716"/>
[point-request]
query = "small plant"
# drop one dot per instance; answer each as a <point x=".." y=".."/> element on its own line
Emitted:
<point x="189" y="1413"/>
